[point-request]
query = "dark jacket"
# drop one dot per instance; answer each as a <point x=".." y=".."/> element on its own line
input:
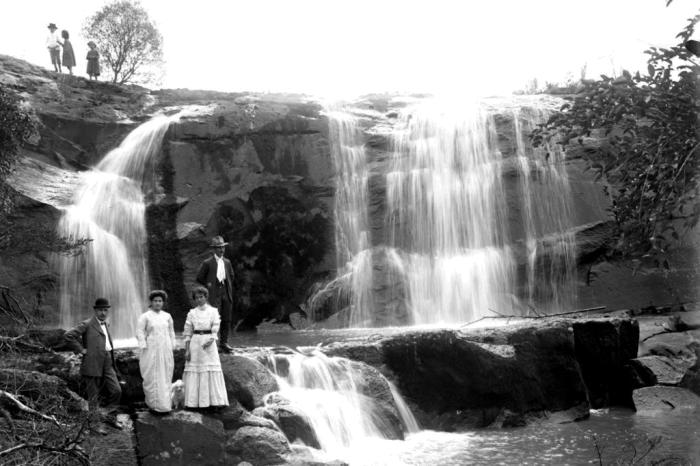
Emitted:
<point x="207" y="277"/>
<point x="88" y="335"/>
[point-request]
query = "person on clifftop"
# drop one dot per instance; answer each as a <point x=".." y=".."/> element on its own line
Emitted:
<point x="93" y="61"/>
<point x="216" y="274"/>
<point x="53" y="43"/>
<point x="68" y="55"/>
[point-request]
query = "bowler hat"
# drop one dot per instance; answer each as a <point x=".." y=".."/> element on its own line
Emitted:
<point x="217" y="242"/>
<point x="52" y="25"/>
<point x="101" y="303"/>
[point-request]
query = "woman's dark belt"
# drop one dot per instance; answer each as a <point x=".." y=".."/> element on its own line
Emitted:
<point x="201" y="332"/>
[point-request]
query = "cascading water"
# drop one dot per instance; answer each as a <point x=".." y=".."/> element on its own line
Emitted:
<point x="450" y="253"/>
<point x="547" y="217"/>
<point x="108" y="209"/>
<point x="328" y="390"/>
<point x="446" y="213"/>
<point x="354" y="257"/>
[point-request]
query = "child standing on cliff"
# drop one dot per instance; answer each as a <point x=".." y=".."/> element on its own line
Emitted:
<point x="68" y="55"/>
<point x="93" y="59"/>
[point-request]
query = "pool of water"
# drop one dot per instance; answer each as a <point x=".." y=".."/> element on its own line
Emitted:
<point x="622" y="436"/>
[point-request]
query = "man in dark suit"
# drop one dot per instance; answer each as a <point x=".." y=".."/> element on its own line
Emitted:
<point x="91" y="339"/>
<point x="216" y="274"/>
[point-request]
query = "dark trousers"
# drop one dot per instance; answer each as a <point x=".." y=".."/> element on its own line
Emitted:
<point x="224" y="305"/>
<point x="106" y="387"/>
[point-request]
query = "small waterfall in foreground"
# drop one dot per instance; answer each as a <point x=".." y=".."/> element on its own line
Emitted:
<point x="547" y="217"/>
<point x="332" y="392"/>
<point x="446" y="213"/>
<point x="109" y="209"/>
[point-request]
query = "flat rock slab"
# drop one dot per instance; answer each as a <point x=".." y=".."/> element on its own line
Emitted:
<point x="663" y="398"/>
<point x="467" y="376"/>
<point x="181" y="438"/>
<point x="659" y="370"/>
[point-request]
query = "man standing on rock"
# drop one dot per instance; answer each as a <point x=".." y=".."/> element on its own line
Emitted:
<point x="216" y="274"/>
<point x="91" y="339"/>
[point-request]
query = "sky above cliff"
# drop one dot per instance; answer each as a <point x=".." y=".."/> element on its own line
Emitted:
<point x="342" y="48"/>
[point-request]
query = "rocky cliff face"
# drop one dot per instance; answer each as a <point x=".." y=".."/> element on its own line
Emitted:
<point x="257" y="170"/>
<point x="254" y="169"/>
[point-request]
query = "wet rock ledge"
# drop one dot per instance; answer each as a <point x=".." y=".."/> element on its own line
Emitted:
<point x="507" y="376"/>
<point x="538" y="370"/>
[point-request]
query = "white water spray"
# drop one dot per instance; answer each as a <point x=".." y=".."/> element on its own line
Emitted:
<point x="446" y="212"/>
<point x="354" y="257"/>
<point x="547" y="217"/>
<point x="109" y="209"/>
<point x="327" y="390"/>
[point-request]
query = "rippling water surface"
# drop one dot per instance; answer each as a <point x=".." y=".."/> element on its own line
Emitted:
<point x="618" y="433"/>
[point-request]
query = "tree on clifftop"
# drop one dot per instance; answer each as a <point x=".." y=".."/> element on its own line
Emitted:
<point x="650" y="155"/>
<point x="129" y="43"/>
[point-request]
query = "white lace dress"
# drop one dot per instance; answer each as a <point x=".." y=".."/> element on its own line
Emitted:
<point x="156" y="337"/>
<point x="204" y="381"/>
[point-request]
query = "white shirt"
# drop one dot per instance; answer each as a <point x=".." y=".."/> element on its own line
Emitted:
<point x="220" y="271"/>
<point x="52" y="40"/>
<point x="108" y="347"/>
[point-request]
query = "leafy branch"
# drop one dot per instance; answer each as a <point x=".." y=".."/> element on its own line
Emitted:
<point x="648" y="123"/>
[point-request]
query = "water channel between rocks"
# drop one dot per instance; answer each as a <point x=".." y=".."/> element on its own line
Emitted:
<point x="324" y="388"/>
<point x="617" y="434"/>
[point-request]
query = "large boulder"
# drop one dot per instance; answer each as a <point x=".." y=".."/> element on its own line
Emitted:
<point x="257" y="445"/>
<point x="504" y="375"/>
<point x="180" y="438"/>
<point x="235" y="416"/>
<point x="458" y="377"/>
<point x="661" y="370"/>
<point x="379" y="399"/>
<point x="662" y="398"/>
<point x="691" y="379"/>
<point x="247" y="380"/>
<point x="291" y="420"/>
<point x="127" y="362"/>
<point x="603" y="348"/>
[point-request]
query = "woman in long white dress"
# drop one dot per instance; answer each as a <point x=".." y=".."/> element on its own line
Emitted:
<point x="204" y="381"/>
<point x="156" y="338"/>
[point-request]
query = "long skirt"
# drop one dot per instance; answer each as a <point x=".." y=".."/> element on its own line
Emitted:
<point x="156" y="364"/>
<point x="204" y="381"/>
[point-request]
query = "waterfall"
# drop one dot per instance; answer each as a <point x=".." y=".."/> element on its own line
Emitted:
<point x="446" y="213"/>
<point x="456" y="245"/>
<point x="329" y="390"/>
<point x="547" y="217"/>
<point x="109" y="209"/>
<point x="354" y="258"/>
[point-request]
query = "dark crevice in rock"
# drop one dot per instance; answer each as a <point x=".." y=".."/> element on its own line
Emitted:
<point x="603" y="350"/>
<point x="166" y="269"/>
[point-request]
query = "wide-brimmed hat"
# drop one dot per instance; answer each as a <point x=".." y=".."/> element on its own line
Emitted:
<point x="217" y="242"/>
<point x="101" y="303"/>
<point x="52" y="25"/>
<point x="92" y="43"/>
